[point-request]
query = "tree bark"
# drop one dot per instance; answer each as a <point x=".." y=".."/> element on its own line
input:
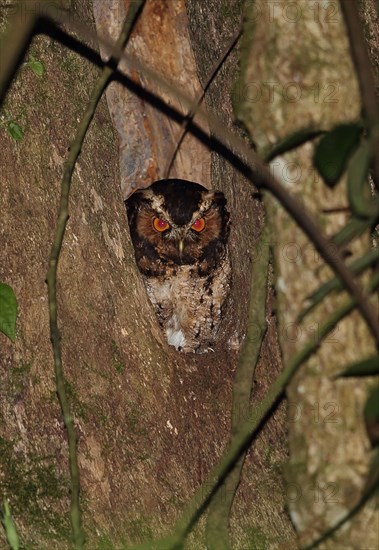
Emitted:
<point x="296" y="73"/>
<point x="150" y="422"/>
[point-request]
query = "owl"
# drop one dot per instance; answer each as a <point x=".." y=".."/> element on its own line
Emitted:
<point x="180" y="231"/>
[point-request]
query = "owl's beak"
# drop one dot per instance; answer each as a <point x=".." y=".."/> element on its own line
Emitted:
<point x="181" y="246"/>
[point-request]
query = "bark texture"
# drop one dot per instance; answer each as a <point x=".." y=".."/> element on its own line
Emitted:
<point x="297" y="72"/>
<point x="258" y="518"/>
<point x="147" y="136"/>
<point x="150" y="422"/>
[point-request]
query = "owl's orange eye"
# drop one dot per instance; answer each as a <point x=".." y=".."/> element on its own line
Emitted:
<point x="198" y="225"/>
<point x="160" y="224"/>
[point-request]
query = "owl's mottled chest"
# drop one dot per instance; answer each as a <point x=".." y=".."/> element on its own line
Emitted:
<point x="189" y="306"/>
<point x="180" y="232"/>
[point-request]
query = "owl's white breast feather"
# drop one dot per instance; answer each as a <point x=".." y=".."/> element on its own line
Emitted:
<point x="174" y="333"/>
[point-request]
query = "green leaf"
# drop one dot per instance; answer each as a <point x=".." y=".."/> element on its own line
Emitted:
<point x="356" y="267"/>
<point x="37" y="67"/>
<point x="371" y="413"/>
<point x="15" y="131"/>
<point x="363" y="204"/>
<point x="354" y="228"/>
<point x="372" y="482"/>
<point x="8" y="311"/>
<point x="10" y="528"/>
<point x="334" y="150"/>
<point x="291" y="142"/>
<point x="368" y="367"/>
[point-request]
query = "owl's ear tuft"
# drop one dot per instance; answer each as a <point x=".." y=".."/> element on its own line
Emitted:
<point x="219" y="197"/>
<point x="132" y="205"/>
<point x="133" y="202"/>
<point x="216" y="197"/>
<point x="220" y="201"/>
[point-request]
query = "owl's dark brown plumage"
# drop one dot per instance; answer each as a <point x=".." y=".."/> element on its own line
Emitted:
<point x="180" y="231"/>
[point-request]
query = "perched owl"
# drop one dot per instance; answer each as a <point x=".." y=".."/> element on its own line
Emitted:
<point x="180" y="231"/>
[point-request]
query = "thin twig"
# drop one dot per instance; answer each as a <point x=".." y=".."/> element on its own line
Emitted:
<point x="368" y="494"/>
<point x="75" y="148"/>
<point x="249" y="161"/>
<point x="220" y="506"/>
<point x="363" y="69"/>
<point x="197" y="102"/>
<point x="335" y="210"/>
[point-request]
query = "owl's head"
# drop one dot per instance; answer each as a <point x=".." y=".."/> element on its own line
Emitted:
<point x="177" y="222"/>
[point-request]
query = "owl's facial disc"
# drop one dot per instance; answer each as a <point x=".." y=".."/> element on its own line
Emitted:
<point x="188" y="236"/>
<point x="178" y="239"/>
<point x="160" y="224"/>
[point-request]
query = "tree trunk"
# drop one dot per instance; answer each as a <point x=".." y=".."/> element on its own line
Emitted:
<point x="151" y="422"/>
<point x="297" y="72"/>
